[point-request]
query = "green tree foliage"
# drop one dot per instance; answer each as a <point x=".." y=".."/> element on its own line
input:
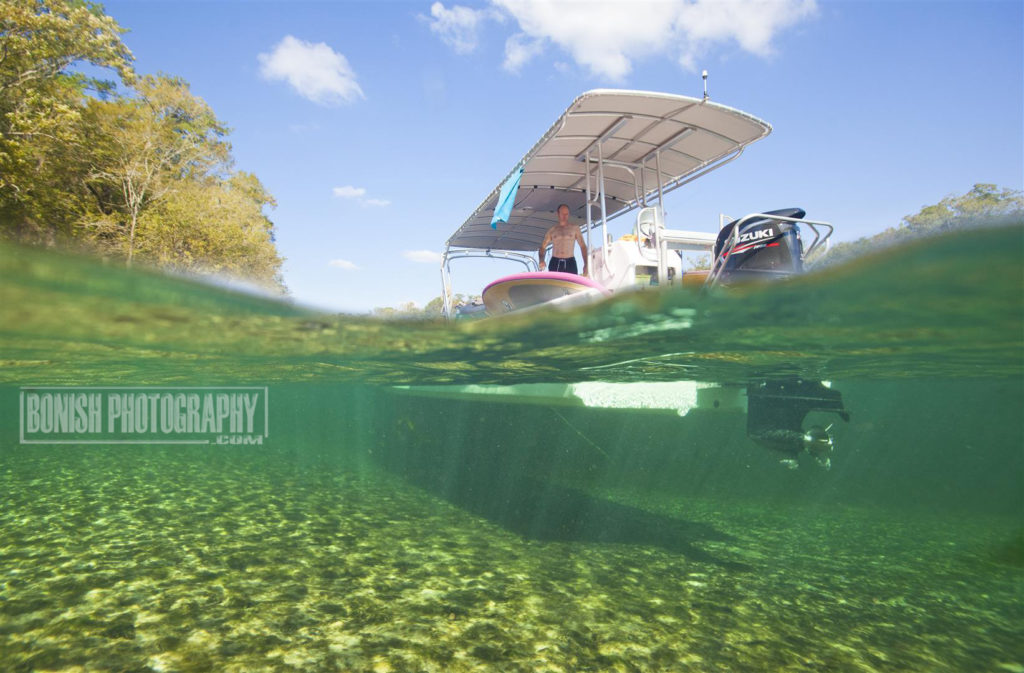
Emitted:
<point x="983" y="205"/>
<point x="145" y="147"/>
<point x="699" y="262"/>
<point x="433" y="308"/>
<point x="40" y="103"/>
<point x="213" y="226"/>
<point x="144" y="173"/>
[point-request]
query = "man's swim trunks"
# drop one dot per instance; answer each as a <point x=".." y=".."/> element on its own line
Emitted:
<point x="564" y="264"/>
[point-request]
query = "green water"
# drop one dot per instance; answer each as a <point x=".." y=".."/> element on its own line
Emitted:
<point x="376" y="530"/>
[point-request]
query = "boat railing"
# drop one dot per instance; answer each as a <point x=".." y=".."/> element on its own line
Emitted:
<point x="450" y="254"/>
<point x="820" y="239"/>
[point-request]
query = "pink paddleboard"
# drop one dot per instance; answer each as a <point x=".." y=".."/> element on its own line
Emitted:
<point x="523" y="290"/>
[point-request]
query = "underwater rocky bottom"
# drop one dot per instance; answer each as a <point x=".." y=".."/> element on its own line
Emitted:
<point x="132" y="560"/>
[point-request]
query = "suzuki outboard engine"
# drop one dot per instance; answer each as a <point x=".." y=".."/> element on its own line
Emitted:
<point x="764" y="248"/>
<point x="775" y="415"/>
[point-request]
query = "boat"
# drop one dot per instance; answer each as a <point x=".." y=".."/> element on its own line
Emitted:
<point x="610" y="154"/>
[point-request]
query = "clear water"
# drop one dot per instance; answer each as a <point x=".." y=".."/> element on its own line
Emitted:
<point x="382" y="531"/>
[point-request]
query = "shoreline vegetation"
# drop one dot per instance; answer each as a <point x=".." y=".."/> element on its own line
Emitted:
<point x="134" y="168"/>
<point x="984" y="205"/>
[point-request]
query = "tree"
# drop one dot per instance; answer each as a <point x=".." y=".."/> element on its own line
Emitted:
<point x="147" y="146"/>
<point x="431" y="310"/>
<point x="40" y="100"/>
<point x="983" y="205"/>
<point x="214" y="226"/>
<point x="141" y="171"/>
<point x="700" y="262"/>
<point x="40" y="39"/>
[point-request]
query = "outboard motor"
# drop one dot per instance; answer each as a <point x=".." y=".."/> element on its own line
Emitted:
<point x="775" y="416"/>
<point x="763" y="250"/>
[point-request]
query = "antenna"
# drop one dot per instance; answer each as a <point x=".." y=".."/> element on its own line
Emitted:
<point x="704" y="76"/>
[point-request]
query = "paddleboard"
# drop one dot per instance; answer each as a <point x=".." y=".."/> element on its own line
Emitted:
<point x="525" y="290"/>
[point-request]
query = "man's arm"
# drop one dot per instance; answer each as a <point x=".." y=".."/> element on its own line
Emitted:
<point x="543" y="246"/>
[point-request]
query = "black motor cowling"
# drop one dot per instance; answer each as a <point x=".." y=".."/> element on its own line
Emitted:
<point x="765" y="247"/>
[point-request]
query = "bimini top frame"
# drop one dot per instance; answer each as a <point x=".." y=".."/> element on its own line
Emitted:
<point x="612" y="151"/>
<point x="646" y="144"/>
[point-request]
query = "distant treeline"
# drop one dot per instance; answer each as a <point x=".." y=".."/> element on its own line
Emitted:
<point x="983" y="205"/>
<point x="136" y="167"/>
<point x="433" y="309"/>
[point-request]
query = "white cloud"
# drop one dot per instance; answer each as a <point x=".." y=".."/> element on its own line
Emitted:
<point x="343" y="264"/>
<point x="316" y="71"/>
<point x="348" y="192"/>
<point x="519" y="49"/>
<point x="753" y="24"/>
<point x="600" y="36"/>
<point x="457" y="27"/>
<point x="422" y="256"/>
<point x="607" y="38"/>
<point x="357" y="193"/>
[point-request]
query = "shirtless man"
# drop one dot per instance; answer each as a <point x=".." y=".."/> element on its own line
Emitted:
<point x="563" y="238"/>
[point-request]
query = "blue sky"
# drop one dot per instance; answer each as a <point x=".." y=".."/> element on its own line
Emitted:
<point x="380" y="126"/>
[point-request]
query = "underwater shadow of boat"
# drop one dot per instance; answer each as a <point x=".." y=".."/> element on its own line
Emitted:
<point x="547" y="512"/>
<point x="510" y="484"/>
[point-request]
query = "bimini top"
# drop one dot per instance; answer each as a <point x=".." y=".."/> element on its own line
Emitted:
<point x="631" y="133"/>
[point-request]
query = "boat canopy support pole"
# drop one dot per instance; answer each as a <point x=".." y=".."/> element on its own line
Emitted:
<point x="446" y="285"/>
<point x="604" y="206"/>
<point x="643" y="185"/>
<point x="590" y="222"/>
<point x="659" y="227"/>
